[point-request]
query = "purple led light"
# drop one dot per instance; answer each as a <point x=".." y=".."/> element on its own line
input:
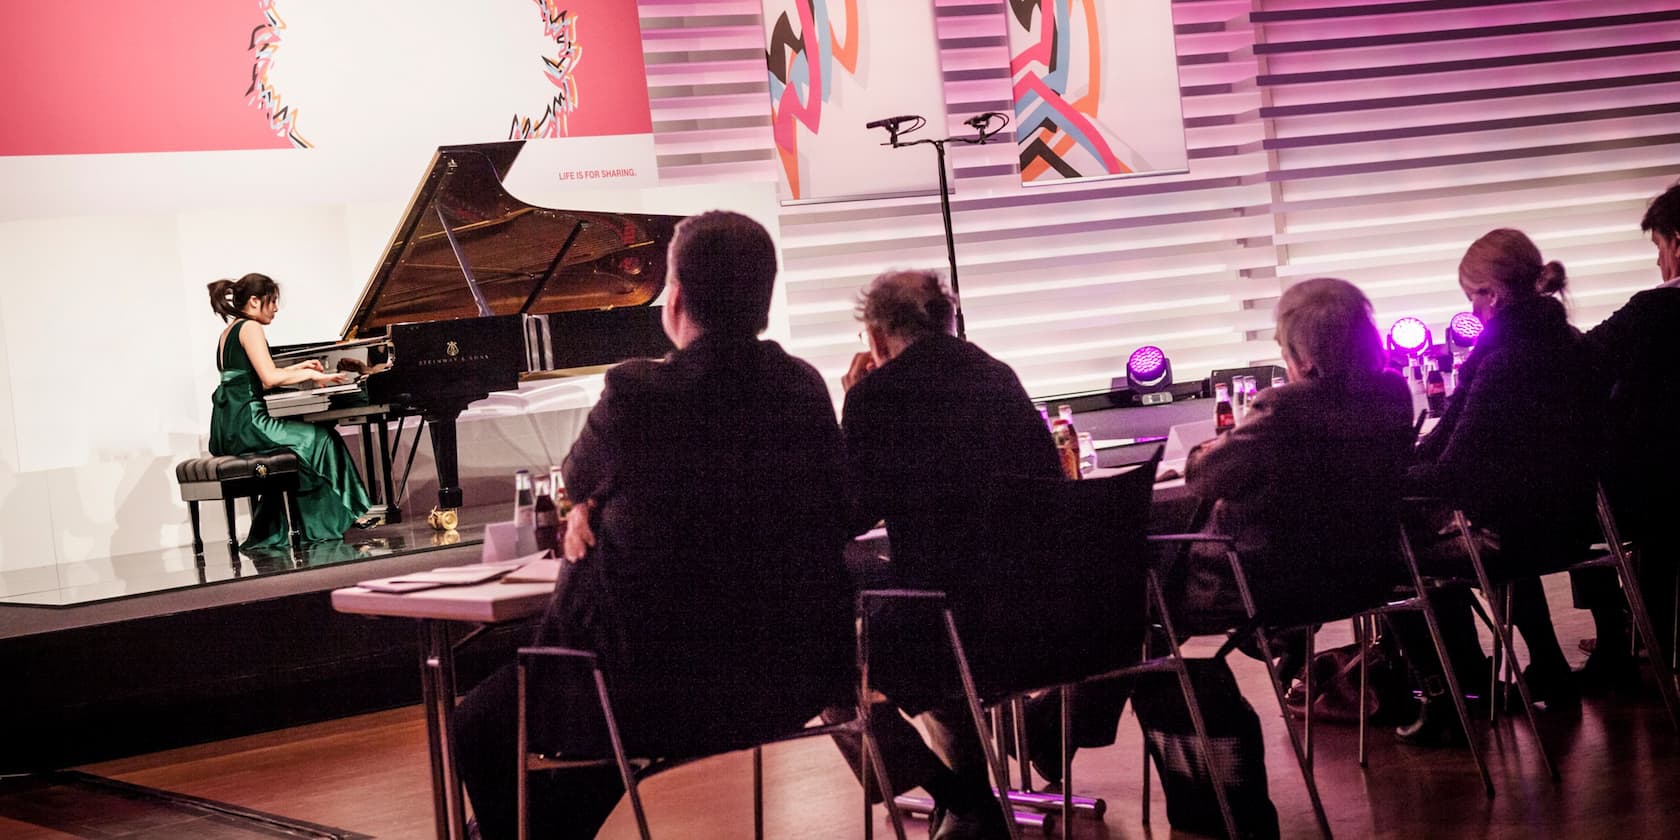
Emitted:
<point x="1409" y="334"/>
<point x="1464" y="328"/>
<point x="1147" y="364"/>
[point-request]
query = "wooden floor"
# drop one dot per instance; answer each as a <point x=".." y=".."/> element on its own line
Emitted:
<point x="1619" y="758"/>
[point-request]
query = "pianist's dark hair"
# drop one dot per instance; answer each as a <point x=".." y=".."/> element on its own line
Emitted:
<point x="228" y="297"/>
<point x="1663" y="216"/>
<point x="908" y="303"/>
<point x="726" y="264"/>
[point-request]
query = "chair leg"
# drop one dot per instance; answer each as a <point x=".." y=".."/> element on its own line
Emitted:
<point x="1302" y="756"/>
<point x="1216" y="774"/>
<point x="1661" y="666"/>
<point x="624" y="772"/>
<point x="294" y="516"/>
<point x="872" y="760"/>
<point x="1066" y="697"/>
<point x="1362" y="642"/>
<point x="1306" y="720"/>
<point x="1503" y="639"/>
<point x="1024" y="762"/>
<point x="1000" y="773"/>
<point x="233" y="528"/>
<point x="1427" y="606"/>
<point x="758" y="792"/>
<point x="198" y="541"/>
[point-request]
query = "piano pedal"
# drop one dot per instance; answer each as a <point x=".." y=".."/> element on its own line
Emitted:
<point x="444" y="519"/>
<point x="370" y="521"/>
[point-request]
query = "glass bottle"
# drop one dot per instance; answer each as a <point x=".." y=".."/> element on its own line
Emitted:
<point x="524" y="514"/>
<point x="1435" y="390"/>
<point x="1224" y="420"/>
<point x="546" y="518"/>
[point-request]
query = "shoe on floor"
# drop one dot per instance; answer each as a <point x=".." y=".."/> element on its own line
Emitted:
<point x="1605" y="673"/>
<point x="982" y="823"/>
<point x="1436" y="726"/>
<point x="1553" y="688"/>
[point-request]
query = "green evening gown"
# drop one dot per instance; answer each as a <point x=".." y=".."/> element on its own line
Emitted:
<point x="330" y="493"/>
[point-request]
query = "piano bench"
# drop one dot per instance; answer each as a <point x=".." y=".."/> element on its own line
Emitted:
<point x="229" y="477"/>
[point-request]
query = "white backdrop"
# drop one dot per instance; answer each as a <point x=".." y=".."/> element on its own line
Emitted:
<point x="106" y="335"/>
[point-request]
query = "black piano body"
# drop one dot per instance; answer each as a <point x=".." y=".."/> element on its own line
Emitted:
<point x="478" y="290"/>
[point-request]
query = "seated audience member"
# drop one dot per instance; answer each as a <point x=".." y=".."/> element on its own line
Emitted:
<point x="926" y="415"/>
<point x="1312" y="475"/>
<point x="713" y="586"/>
<point x="1515" y="450"/>
<point x="1635" y="350"/>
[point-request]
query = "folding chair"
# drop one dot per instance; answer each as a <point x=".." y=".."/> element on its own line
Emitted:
<point x="1078" y="551"/>
<point x="1618" y="555"/>
<point x="632" y="771"/>
<point x="1498" y="623"/>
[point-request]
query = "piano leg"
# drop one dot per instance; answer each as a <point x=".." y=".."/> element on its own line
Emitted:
<point x="442" y="427"/>
<point x="388" y="494"/>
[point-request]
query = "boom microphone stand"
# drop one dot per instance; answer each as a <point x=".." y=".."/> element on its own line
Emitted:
<point x="984" y="125"/>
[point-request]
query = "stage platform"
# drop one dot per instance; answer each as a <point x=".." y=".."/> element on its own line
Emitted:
<point x="159" y="650"/>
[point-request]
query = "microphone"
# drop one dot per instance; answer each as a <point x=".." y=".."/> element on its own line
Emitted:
<point x="983" y="124"/>
<point x="891" y="123"/>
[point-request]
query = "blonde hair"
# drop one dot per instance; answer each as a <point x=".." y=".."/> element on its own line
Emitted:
<point x="1507" y="258"/>
<point x="1325" y="327"/>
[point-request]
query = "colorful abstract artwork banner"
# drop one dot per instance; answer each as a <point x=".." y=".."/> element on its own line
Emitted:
<point x="835" y="65"/>
<point x="1095" y="86"/>
<point x="212" y="75"/>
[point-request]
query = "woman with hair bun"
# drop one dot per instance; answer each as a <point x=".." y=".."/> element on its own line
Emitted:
<point x="1516" y="451"/>
<point x="330" y="493"/>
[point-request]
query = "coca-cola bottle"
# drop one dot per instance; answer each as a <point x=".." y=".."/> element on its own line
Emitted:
<point x="546" y="517"/>
<point x="1435" y="389"/>
<point x="1224" y="419"/>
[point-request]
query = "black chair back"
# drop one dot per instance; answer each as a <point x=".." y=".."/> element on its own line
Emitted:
<point x="1046" y="585"/>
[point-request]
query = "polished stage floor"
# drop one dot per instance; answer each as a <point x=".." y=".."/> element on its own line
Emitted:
<point x="1619" y="758"/>
<point x="77" y="583"/>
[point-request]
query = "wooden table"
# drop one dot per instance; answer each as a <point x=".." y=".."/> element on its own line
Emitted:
<point x="438" y="610"/>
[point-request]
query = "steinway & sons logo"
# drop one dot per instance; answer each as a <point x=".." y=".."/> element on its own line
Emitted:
<point x="452" y="356"/>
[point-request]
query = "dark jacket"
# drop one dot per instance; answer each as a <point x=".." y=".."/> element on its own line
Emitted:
<point x="941" y="418"/>
<point x="1637" y="350"/>
<point x="1309" y="485"/>
<point x="716" y="593"/>
<point x="1517" y="446"/>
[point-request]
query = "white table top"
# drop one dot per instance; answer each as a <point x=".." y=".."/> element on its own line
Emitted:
<point x="484" y="603"/>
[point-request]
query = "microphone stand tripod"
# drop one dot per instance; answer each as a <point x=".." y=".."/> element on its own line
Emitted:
<point x="985" y="125"/>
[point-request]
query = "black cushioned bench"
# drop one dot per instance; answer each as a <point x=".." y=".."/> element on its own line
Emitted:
<point x="229" y="477"/>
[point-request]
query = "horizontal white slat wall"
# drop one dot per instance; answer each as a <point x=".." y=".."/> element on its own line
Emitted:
<point x="1371" y="141"/>
<point x="1062" y="282"/>
<point x="1402" y="131"/>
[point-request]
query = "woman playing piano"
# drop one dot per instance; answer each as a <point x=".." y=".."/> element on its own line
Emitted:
<point x="330" y="493"/>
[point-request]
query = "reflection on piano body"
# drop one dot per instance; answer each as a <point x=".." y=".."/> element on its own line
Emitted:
<point x="477" y="290"/>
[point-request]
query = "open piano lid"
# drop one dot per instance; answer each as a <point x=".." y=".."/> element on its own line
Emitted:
<point x="466" y="248"/>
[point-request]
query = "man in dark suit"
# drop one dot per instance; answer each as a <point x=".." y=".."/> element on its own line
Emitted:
<point x="929" y="417"/>
<point x="1634" y="349"/>
<point x="705" y="551"/>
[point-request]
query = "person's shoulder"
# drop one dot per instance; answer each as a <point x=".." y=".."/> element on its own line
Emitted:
<point x="634" y="375"/>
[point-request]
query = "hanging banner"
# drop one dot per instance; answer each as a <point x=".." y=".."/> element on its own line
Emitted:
<point x="835" y="65"/>
<point x="1095" y="89"/>
<point x="222" y="75"/>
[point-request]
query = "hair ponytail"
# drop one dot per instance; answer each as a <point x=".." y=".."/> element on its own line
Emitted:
<point x="1552" y="278"/>
<point x="228" y="297"/>
<point x="221" y="299"/>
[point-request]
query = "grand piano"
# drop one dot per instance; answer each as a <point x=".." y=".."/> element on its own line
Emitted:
<point x="478" y="290"/>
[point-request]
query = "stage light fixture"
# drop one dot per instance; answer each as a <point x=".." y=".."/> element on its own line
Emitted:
<point x="1410" y="336"/>
<point x="1149" y="375"/>
<point x="1463" y="330"/>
